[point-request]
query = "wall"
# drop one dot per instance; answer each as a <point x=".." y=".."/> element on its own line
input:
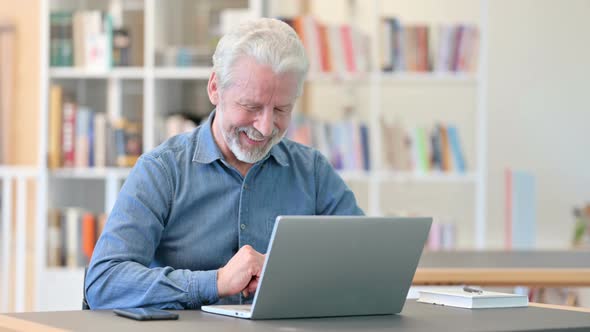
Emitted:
<point x="539" y="111"/>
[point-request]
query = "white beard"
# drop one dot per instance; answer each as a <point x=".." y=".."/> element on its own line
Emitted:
<point x="252" y="155"/>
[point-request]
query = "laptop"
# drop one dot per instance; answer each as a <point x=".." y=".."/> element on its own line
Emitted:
<point x="326" y="266"/>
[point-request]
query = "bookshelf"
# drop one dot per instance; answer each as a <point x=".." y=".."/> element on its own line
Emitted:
<point x="146" y="89"/>
<point x="377" y="93"/>
<point x="154" y="89"/>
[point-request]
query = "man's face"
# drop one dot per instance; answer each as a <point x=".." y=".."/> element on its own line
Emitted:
<point x="253" y="113"/>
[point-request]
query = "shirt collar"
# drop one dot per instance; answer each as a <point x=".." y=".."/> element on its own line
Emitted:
<point x="207" y="150"/>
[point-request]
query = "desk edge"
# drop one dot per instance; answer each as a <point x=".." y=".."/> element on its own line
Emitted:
<point x="17" y="324"/>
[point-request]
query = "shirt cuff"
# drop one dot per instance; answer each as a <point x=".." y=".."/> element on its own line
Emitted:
<point x="203" y="286"/>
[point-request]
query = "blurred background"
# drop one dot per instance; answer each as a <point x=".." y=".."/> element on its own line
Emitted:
<point x="472" y="112"/>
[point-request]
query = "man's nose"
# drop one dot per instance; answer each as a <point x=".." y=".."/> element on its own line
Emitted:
<point x="265" y="122"/>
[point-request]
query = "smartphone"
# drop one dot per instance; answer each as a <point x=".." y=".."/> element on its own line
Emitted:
<point x="146" y="314"/>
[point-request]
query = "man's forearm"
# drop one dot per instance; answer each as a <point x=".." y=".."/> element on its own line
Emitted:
<point x="130" y="284"/>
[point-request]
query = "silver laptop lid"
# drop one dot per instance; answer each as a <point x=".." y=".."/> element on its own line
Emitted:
<point x="321" y="266"/>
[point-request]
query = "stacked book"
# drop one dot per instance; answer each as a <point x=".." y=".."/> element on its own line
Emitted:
<point x="88" y="38"/>
<point x="345" y="143"/>
<point x="423" y="150"/>
<point x="71" y="236"/>
<point x="82" y="137"/>
<point x="338" y="49"/>
<point x="421" y="48"/>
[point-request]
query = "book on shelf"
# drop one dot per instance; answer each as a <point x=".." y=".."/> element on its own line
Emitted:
<point x="127" y="142"/>
<point x="520" y="223"/>
<point x="61" y="50"/>
<point x="422" y="150"/>
<point x="423" y="48"/>
<point x="472" y="299"/>
<point x="82" y="137"/>
<point x="183" y="56"/>
<point x="180" y="122"/>
<point x="338" y="49"/>
<point x="344" y="143"/>
<point x="92" y="39"/>
<point x="442" y="236"/>
<point x="71" y="236"/>
<point x="88" y="39"/>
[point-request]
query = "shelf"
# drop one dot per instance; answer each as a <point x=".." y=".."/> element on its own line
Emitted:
<point x="393" y="176"/>
<point x="90" y="173"/>
<point x="435" y="77"/>
<point x="431" y="177"/>
<point x="82" y="73"/>
<point x="18" y="171"/>
<point x="202" y="73"/>
<point x="394" y="77"/>
<point x="180" y="73"/>
<point x="337" y="77"/>
<point x="61" y="271"/>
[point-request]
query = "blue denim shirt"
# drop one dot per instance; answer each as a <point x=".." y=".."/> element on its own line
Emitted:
<point x="183" y="212"/>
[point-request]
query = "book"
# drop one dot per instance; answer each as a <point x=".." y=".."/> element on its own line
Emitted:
<point x="472" y="300"/>
<point x="88" y="240"/>
<point x="72" y="234"/>
<point x="520" y="230"/>
<point x="456" y="150"/>
<point x="54" y="239"/>
<point x="68" y="133"/>
<point x="72" y="237"/>
<point x="339" y="49"/>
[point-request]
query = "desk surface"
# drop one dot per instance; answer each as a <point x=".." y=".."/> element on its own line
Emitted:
<point x="415" y="317"/>
<point x="533" y="259"/>
<point x="505" y="268"/>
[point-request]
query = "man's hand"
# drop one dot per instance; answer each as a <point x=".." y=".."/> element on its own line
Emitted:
<point x="241" y="273"/>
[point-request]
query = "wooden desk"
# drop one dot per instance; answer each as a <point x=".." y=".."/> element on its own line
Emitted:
<point x="415" y="317"/>
<point x="505" y="268"/>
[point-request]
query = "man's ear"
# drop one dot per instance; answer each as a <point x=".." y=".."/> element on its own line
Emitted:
<point x="213" y="89"/>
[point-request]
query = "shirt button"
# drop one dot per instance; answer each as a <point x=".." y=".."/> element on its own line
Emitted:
<point x="243" y="226"/>
<point x="246" y="186"/>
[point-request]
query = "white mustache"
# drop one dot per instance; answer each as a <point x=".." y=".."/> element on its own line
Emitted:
<point x="255" y="134"/>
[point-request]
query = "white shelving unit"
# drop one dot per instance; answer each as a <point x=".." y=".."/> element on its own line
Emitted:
<point x="61" y="288"/>
<point x="80" y="73"/>
<point x="200" y="73"/>
<point x="14" y="177"/>
<point x="376" y="80"/>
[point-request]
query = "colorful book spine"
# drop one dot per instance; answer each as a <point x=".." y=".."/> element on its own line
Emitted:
<point x="522" y="207"/>
<point x="72" y="234"/>
<point x="69" y="134"/>
<point x="456" y="150"/>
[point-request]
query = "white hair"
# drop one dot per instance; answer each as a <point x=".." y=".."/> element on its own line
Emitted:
<point x="269" y="41"/>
